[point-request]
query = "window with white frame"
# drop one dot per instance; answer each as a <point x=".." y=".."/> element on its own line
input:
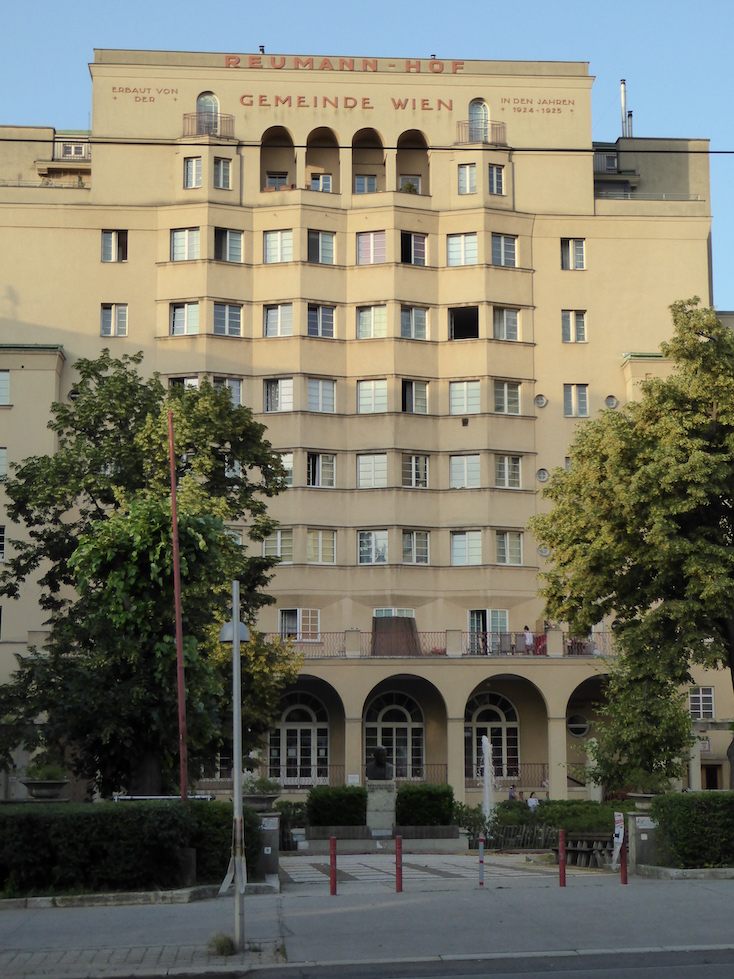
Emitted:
<point x="413" y="323"/>
<point x="506" y="323"/>
<point x="365" y="183"/>
<point x="464" y="397"/>
<point x="233" y="385"/>
<point x="466" y="547"/>
<point x="114" y="246"/>
<point x="496" y="179"/>
<point x="3" y="460"/>
<point x="504" y="250"/>
<point x="320" y="469"/>
<point x="464" y="323"/>
<point x="701" y="703"/>
<point x="478" y="121"/>
<point x="372" y="546"/>
<point x="320" y="321"/>
<point x="2" y="542"/>
<point x="507" y="473"/>
<point x="573" y="325"/>
<point x="491" y="716"/>
<point x="192" y="172"/>
<point x="507" y="397"/>
<point x="573" y="253"/>
<point x="576" y="400"/>
<point x="184" y="244"/>
<point x="277" y="179"/>
<point x="415" y="471"/>
<point x="227" y="320"/>
<point x="321" y="182"/>
<point x="278" y="320"/>
<point x="467" y="178"/>
<point x="320" y="546"/>
<point x="412" y="248"/>
<point x="321" y="395"/>
<point x="113" y="320"/>
<point x="279" y="544"/>
<point x="227" y="245"/>
<point x="415" y="547"/>
<point x="485" y="627"/>
<point x="183" y="383"/>
<point x="4" y="387"/>
<point x="278" y="394"/>
<point x="372" y="470"/>
<point x="393" y="613"/>
<point x="286" y="461"/>
<point x="415" y="397"/>
<point x="184" y="318"/>
<point x="371" y="247"/>
<point x="371" y="396"/>
<point x="371" y="322"/>
<point x="462" y="249"/>
<point x="301" y="624"/>
<point x="509" y="547"/>
<point x="464" y="472"/>
<point x="321" y="247"/>
<point x="278" y="246"/>
<point x="222" y="173"/>
<point x="406" y="179"/>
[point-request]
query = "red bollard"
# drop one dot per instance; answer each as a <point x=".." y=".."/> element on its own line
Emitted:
<point x="332" y="865"/>
<point x="623" y="863"/>
<point x="398" y="865"/>
<point x="562" y="858"/>
<point x="481" y="860"/>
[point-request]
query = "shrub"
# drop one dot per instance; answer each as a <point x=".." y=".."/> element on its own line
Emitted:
<point x="471" y="818"/>
<point x="573" y="815"/>
<point x="424" y="805"/>
<point x="695" y="829"/>
<point x="338" y="805"/>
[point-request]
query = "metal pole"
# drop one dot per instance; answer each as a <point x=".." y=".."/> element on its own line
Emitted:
<point x="481" y="860"/>
<point x="238" y="826"/>
<point x="181" y="681"/>
<point x="562" y="858"/>
<point x="623" y="863"/>
<point x="398" y="865"/>
<point x="332" y="866"/>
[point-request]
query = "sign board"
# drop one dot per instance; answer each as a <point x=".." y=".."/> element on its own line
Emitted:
<point x="618" y="838"/>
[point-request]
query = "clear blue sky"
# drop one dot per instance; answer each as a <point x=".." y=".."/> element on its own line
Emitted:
<point x="677" y="57"/>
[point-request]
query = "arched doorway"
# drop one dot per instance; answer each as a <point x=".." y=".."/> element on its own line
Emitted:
<point x="395" y="721"/>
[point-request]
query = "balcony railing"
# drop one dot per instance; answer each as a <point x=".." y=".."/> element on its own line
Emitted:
<point x="208" y="124"/>
<point x="634" y="195"/>
<point x="469" y="131"/>
<point x="597" y="644"/>
<point x="502" y="644"/>
<point x="528" y="775"/>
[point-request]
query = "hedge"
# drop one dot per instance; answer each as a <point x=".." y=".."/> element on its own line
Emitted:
<point x="695" y="829"/>
<point x="337" y="805"/>
<point x="425" y="805"/>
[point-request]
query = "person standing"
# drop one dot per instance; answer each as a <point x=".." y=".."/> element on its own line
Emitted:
<point x="533" y="803"/>
<point x="529" y="641"/>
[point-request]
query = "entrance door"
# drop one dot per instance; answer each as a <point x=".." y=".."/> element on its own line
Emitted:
<point x="711" y="776"/>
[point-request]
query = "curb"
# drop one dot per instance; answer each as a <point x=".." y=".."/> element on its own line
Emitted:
<point x="676" y="873"/>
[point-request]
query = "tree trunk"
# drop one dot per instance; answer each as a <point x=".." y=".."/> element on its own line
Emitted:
<point x="729" y="631"/>
<point x="146" y="778"/>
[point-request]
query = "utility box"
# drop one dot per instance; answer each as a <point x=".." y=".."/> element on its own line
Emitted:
<point x="270" y="843"/>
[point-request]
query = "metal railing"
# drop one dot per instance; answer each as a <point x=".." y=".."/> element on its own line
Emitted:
<point x="470" y="131"/>
<point x="527" y="775"/>
<point x="597" y="644"/>
<point x="208" y="124"/>
<point x="295" y="778"/>
<point x="502" y="644"/>
<point x="633" y="195"/>
<point x="68" y="183"/>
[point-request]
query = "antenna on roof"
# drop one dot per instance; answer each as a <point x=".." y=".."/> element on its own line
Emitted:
<point x="623" y="87"/>
<point x="262" y="49"/>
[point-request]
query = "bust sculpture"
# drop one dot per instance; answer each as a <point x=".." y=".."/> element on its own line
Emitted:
<point x="378" y="769"/>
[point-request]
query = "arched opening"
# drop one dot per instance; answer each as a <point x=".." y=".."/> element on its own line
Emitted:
<point x="207" y="114"/>
<point x="478" y="121"/>
<point x="412" y="163"/>
<point x="322" y="161"/>
<point x="277" y="160"/>
<point x="368" y="163"/>
<point x="298" y="748"/>
<point x="492" y="715"/>
<point x="582" y="712"/>
<point x="395" y="721"/>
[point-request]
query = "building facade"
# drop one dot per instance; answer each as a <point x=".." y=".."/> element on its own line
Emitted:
<point x="421" y="275"/>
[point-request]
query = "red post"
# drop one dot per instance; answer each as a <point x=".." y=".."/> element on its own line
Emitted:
<point x="623" y="863"/>
<point x="481" y="860"/>
<point x="181" y="683"/>
<point x="398" y="865"/>
<point x="332" y="866"/>
<point x="562" y="858"/>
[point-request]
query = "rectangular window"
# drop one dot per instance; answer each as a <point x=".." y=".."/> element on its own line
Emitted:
<point x="365" y="183"/>
<point x="301" y="624"/>
<point x="222" y="173"/>
<point x="393" y="613"/>
<point x="2" y="543"/>
<point x="371" y="247"/>
<point x="509" y="547"/>
<point x="410" y="179"/>
<point x="464" y="323"/>
<point x="412" y="248"/>
<point x="113" y="320"/>
<point x="372" y="471"/>
<point x="278" y="320"/>
<point x="701" y="703"/>
<point x="371" y="322"/>
<point x="413" y="323"/>
<point x="279" y="544"/>
<point x="227" y="320"/>
<point x="321" y="247"/>
<point x="467" y="178"/>
<point x="184" y="318"/>
<point x="320" y="469"/>
<point x="496" y="179"/>
<point x="505" y="324"/>
<point x="278" y="246"/>
<point x="503" y="250"/>
<point x="466" y="547"/>
<point x="573" y="325"/>
<point x="321" y="395"/>
<point x="5" y="387"/>
<point x="464" y="398"/>
<point x="227" y="245"/>
<point x="572" y="253"/>
<point x="464" y="472"/>
<point x="320" y="321"/>
<point x="321" y="546"/>
<point x="3" y="460"/>
<point x="415" y="471"/>
<point x="286" y="461"/>
<point x="233" y="385"/>
<point x="192" y="172"/>
<point x="278" y="394"/>
<point x="184" y="244"/>
<point x="576" y="400"/>
<point x="114" y="246"/>
<point x="507" y="397"/>
<point x="184" y="383"/>
<point x="507" y="471"/>
<point x="321" y="182"/>
<point x="276" y="180"/>
<point x="372" y="546"/>
<point x="415" y="397"/>
<point x="462" y="249"/>
<point x="371" y="396"/>
<point x="415" y="547"/>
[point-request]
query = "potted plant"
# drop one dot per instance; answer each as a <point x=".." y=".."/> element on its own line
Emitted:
<point x="44" y="779"/>
<point x="259" y="792"/>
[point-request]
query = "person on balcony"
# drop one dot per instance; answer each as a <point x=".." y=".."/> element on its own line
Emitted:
<point x="529" y="642"/>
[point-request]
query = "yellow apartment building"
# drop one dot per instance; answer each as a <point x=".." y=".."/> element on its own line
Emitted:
<point x="421" y="275"/>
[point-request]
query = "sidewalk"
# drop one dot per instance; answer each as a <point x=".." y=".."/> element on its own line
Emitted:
<point x="442" y="912"/>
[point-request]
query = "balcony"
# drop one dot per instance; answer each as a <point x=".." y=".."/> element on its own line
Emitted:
<point x="526" y="775"/>
<point x="468" y="131"/>
<point x="216" y="124"/>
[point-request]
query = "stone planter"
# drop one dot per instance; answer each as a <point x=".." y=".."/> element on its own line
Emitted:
<point x="45" y="788"/>
<point x="260" y="803"/>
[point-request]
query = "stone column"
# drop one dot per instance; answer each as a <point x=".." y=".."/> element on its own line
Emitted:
<point x="391" y="170"/>
<point x="301" y="168"/>
<point x="455" y="755"/>
<point x="453" y="642"/>
<point x="554" y="642"/>
<point x="352" y="643"/>
<point x="353" y="773"/>
<point x="694" y="767"/>
<point x="345" y="176"/>
<point x="557" y="774"/>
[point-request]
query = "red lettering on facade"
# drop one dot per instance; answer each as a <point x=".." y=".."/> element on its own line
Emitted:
<point x="346" y="64"/>
<point x="326" y="65"/>
<point x="282" y="100"/>
<point x="277" y="62"/>
<point x="349" y="102"/>
<point x="425" y="105"/>
<point x="246" y="100"/>
<point x="412" y="66"/>
<point x="231" y="61"/>
<point x="303" y="62"/>
<point x="263" y="100"/>
<point x="366" y="104"/>
<point x="327" y="101"/>
<point x="457" y="66"/>
<point x="255" y="61"/>
<point x="436" y="67"/>
<point x="399" y="103"/>
<point x="302" y="102"/>
<point x="369" y="64"/>
<point x="446" y="105"/>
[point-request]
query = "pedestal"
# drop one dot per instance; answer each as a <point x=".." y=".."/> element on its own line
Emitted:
<point x="381" y="807"/>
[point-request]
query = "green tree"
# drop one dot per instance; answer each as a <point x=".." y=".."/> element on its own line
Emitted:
<point x="642" y="526"/>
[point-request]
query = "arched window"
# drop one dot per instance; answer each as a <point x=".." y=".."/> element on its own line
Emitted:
<point x="207" y="114"/>
<point x="395" y="721"/>
<point x="493" y="715"/>
<point x="478" y="122"/>
<point x="298" y="752"/>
